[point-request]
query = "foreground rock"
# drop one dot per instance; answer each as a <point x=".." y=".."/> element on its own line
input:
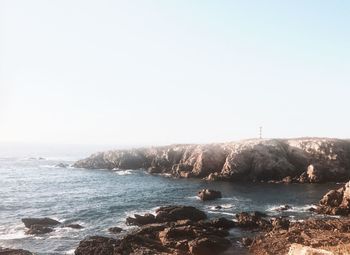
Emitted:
<point x="331" y="235"/>
<point x="174" y="230"/>
<point x="305" y="160"/>
<point x="6" y="251"/>
<point x="208" y="194"/>
<point x="38" y="230"/>
<point x="336" y="202"/>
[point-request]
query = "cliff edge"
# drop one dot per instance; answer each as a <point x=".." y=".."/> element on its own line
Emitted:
<point x="305" y="160"/>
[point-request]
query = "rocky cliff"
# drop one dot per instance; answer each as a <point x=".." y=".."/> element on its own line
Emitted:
<point x="287" y="160"/>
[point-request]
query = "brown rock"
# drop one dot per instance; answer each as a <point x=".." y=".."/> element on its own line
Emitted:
<point x="7" y="251"/>
<point x="140" y="220"/>
<point x="208" y="194"/>
<point x="175" y="213"/>
<point x="208" y="245"/>
<point x="38" y="230"/>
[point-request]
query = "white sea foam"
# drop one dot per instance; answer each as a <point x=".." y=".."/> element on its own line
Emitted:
<point x="13" y="235"/>
<point x="224" y="213"/>
<point x="123" y="172"/>
<point x="294" y="208"/>
<point x="193" y="197"/>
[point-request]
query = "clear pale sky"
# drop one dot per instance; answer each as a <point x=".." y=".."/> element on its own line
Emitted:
<point x="156" y="72"/>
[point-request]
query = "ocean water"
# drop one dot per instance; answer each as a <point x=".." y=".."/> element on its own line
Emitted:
<point x="99" y="199"/>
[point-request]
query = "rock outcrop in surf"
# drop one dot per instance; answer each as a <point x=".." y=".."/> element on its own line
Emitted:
<point x="303" y="160"/>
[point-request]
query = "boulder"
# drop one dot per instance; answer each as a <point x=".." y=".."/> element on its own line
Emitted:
<point x="175" y="213"/>
<point x="45" y="222"/>
<point x="208" y="194"/>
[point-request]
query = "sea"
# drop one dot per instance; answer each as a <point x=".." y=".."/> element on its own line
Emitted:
<point x="36" y="184"/>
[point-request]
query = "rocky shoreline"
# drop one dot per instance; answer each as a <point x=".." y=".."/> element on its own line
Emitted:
<point x="303" y="160"/>
<point x="186" y="230"/>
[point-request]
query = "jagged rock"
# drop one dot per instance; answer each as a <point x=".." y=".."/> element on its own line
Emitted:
<point x="45" y="222"/>
<point x="7" y="251"/>
<point x="279" y="160"/>
<point x="208" y="194"/>
<point x="140" y="220"/>
<point x="38" y="230"/>
<point x="336" y="202"/>
<point x="115" y="230"/>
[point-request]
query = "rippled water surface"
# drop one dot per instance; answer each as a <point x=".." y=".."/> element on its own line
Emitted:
<point x="99" y="199"/>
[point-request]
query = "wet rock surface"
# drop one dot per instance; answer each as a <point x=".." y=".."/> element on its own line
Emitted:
<point x="40" y="226"/>
<point x="208" y="194"/>
<point x="304" y="160"/>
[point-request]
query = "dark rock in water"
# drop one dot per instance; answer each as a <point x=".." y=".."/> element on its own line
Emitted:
<point x="7" y="251"/>
<point x="115" y="230"/>
<point x="41" y="158"/>
<point x="247" y="220"/>
<point x="38" y="230"/>
<point x="45" y="222"/>
<point x="283" y="208"/>
<point x="175" y="213"/>
<point x="336" y="202"/>
<point x="75" y="226"/>
<point x="140" y="220"/>
<point x="208" y="194"/>
<point x="97" y="245"/>
<point x="62" y="165"/>
<point x="208" y="245"/>
<point x="218" y="207"/>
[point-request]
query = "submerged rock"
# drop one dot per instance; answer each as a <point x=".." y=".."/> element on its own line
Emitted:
<point x="74" y="226"/>
<point x="38" y="230"/>
<point x="283" y="208"/>
<point x="62" y="165"/>
<point x="208" y="194"/>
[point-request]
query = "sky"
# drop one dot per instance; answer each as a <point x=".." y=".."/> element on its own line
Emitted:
<point x="161" y="72"/>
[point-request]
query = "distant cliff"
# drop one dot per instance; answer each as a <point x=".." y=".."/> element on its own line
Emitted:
<point x="287" y="160"/>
